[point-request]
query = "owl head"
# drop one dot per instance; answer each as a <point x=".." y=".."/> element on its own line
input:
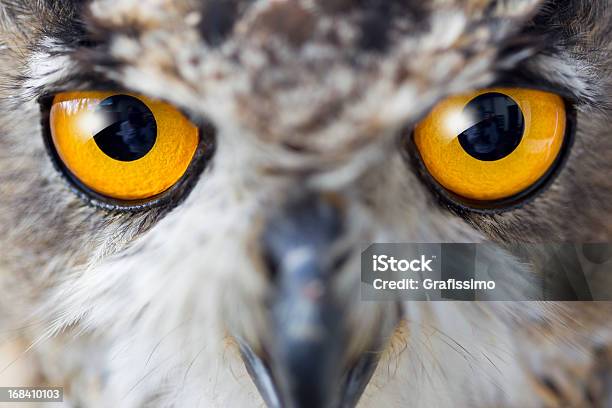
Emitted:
<point x="187" y="185"/>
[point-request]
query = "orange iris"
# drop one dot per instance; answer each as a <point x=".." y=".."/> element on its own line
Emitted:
<point x="494" y="143"/>
<point x="122" y="145"/>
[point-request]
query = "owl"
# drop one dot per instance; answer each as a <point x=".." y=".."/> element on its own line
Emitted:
<point x="187" y="187"/>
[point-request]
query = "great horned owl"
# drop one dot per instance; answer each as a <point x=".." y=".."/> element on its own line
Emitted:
<point x="203" y="248"/>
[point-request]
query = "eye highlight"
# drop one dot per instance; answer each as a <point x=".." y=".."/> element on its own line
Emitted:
<point x="123" y="146"/>
<point x="492" y="144"/>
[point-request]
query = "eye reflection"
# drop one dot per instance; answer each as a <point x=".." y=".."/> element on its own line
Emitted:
<point x="131" y="131"/>
<point x="458" y="121"/>
<point x="498" y="129"/>
<point x="91" y="122"/>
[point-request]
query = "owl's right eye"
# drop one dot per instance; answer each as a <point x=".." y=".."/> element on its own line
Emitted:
<point x="122" y="146"/>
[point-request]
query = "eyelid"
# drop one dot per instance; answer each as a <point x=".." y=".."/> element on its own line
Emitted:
<point x="534" y="82"/>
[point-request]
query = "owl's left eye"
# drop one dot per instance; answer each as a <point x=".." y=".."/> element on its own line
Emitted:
<point x="494" y="144"/>
<point x="122" y="146"/>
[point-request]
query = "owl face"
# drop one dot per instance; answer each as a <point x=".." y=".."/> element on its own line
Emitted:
<point x="279" y="138"/>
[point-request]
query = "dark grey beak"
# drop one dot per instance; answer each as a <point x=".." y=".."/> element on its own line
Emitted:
<point x="305" y="358"/>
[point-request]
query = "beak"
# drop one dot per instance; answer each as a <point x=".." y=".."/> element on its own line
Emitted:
<point x="304" y="361"/>
<point x="353" y="383"/>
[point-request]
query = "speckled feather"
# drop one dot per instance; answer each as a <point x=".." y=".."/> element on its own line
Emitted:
<point x="139" y="308"/>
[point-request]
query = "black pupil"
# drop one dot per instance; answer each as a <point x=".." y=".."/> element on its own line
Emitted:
<point x="498" y="129"/>
<point x="131" y="130"/>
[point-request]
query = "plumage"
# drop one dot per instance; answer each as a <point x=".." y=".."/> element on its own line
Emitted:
<point x="149" y="307"/>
